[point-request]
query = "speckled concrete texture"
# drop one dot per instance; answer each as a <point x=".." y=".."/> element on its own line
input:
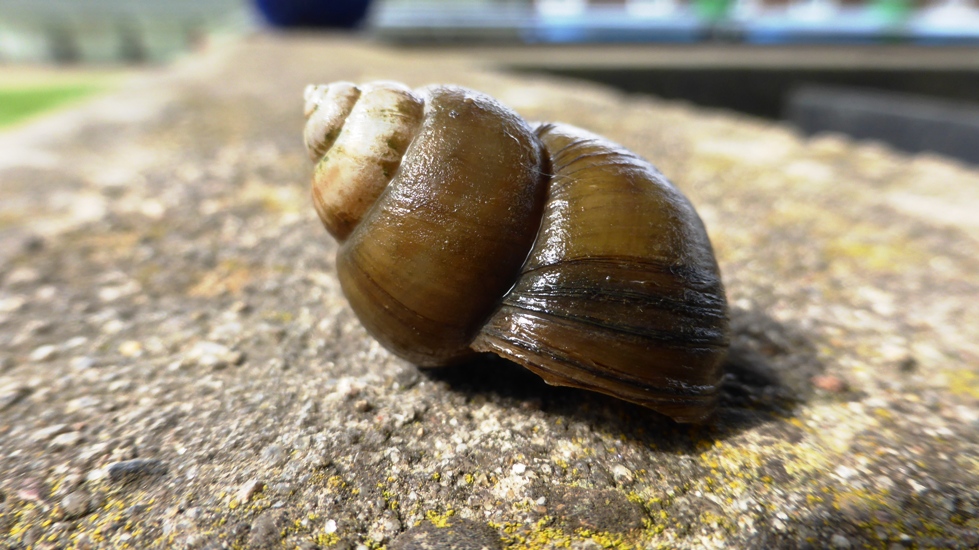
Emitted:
<point x="179" y="369"/>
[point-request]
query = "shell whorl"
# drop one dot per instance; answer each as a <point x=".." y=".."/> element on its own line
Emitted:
<point x="358" y="135"/>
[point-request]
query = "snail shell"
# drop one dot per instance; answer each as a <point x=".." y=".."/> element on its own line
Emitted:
<point x="463" y="230"/>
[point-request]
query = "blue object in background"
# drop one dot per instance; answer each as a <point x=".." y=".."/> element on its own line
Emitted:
<point x="313" y="13"/>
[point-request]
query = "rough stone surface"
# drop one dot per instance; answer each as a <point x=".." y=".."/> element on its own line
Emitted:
<point x="136" y="469"/>
<point x="167" y="295"/>
<point x="460" y="534"/>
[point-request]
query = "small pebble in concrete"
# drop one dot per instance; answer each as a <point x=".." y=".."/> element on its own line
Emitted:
<point x="274" y="454"/>
<point x="76" y="342"/>
<point x="38" y="327"/>
<point x="65" y="441"/>
<point x="131" y="348"/>
<point x="12" y="304"/>
<point x="85" y="403"/>
<point x="266" y="531"/>
<point x="830" y="383"/>
<point x="82" y="363"/>
<point x="213" y="355"/>
<point x="384" y="529"/>
<point x="12" y="395"/>
<point x="839" y="541"/>
<point x="235" y="358"/>
<point x="249" y="489"/>
<point x="621" y="474"/>
<point x="114" y="326"/>
<point x="22" y="276"/>
<point x="76" y="504"/>
<point x="46" y="433"/>
<point x="136" y="469"/>
<point x="43" y="353"/>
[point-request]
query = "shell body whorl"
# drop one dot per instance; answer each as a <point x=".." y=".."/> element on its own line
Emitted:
<point x="621" y="293"/>
<point x="465" y="230"/>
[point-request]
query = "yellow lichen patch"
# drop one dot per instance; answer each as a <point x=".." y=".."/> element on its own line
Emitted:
<point x="731" y="459"/>
<point x="11" y="219"/>
<point x="794" y="213"/>
<point x="279" y="316"/>
<point x="710" y="518"/>
<point x="541" y="535"/>
<point x="863" y="242"/>
<point x="440" y="520"/>
<point x="326" y="540"/>
<point x="725" y="148"/>
<point x="146" y="274"/>
<point x="228" y="277"/>
<point x="390" y="499"/>
<point x="109" y="517"/>
<point x="806" y="460"/>
<point x="963" y="382"/>
<point x="107" y="246"/>
<point x="606" y="540"/>
<point x="280" y="199"/>
<point x="846" y="423"/>
<point x="860" y="499"/>
<point x="864" y="506"/>
<point x="732" y="469"/>
<point x="866" y="246"/>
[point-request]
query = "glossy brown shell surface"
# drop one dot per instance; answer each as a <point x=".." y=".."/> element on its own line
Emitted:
<point x="621" y="293"/>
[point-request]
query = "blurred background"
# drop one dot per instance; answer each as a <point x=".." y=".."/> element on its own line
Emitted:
<point x="905" y="72"/>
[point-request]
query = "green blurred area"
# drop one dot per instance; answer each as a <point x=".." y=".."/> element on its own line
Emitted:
<point x="19" y="103"/>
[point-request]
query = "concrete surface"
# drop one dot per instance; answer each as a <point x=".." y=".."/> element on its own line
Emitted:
<point x="178" y="367"/>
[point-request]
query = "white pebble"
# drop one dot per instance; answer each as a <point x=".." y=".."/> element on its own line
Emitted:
<point x="249" y="489"/>
<point x="621" y="474"/>
<point x="65" y="440"/>
<point x="44" y="353"/>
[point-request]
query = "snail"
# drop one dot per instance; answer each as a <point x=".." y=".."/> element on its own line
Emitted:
<point x="463" y="229"/>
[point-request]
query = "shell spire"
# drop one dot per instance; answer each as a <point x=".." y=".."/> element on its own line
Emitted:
<point x="357" y="135"/>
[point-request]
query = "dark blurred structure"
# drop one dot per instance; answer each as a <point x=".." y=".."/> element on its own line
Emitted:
<point x="313" y="13"/>
<point x="907" y="122"/>
<point x="913" y="97"/>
